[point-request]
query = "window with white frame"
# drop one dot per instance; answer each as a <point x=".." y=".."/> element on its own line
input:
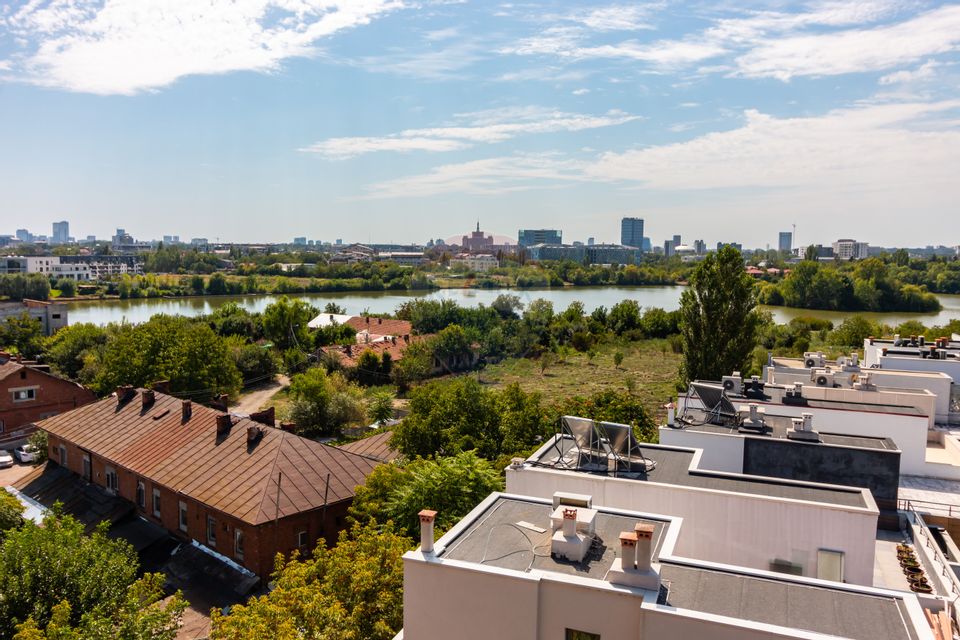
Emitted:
<point x="830" y="565"/>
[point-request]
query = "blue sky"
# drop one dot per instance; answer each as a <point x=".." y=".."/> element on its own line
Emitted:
<point x="397" y="120"/>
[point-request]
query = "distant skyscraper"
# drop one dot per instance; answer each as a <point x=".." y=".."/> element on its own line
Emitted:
<point x="590" y="242"/>
<point x="631" y="232"/>
<point x="676" y="241"/>
<point x="61" y="232"/>
<point x="786" y="241"/>
<point x="530" y="237"/>
<point x="647" y="245"/>
<point x="302" y="241"/>
<point x="24" y="235"/>
<point x="668" y="247"/>
<point x="700" y="247"/>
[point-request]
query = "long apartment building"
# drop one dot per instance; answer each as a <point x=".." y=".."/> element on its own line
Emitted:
<point x="228" y="483"/>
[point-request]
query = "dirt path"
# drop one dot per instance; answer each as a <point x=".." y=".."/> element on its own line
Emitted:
<point x="258" y="396"/>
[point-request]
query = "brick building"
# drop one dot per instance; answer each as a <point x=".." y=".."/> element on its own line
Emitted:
<point x="29" y="394"/>
<point x="242" y="489"/>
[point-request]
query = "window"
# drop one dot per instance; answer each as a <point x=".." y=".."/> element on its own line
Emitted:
<point x="573" y="634"/>
<point x="302" y="539"/>
<point x="63" y="456"/>
<point x="87" y="467"/>
<point x="183" y="516"/>
<point x="110" y="475"/>
<point x="211" y="531"/>
<point x="238" y="543"/>
<point x="24" y="395"/>
<point x="156" y="503"/>
<point x="830" y="565"/>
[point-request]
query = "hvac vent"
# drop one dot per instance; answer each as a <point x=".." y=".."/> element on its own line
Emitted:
<point x="812" y="360"/>
<point x="823" y="379"/>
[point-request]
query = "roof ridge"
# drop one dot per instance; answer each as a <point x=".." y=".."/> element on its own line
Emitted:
<point x="266" y="487"/>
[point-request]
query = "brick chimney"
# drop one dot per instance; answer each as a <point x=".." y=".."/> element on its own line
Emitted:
<point x="161" y="386"/>
<point x="426" y="530"/>
<point x="266" y="417"/>
<point x="634" y="567"/>
<point x="147" y="398"/>
<point x="224" y="422"/>
<point x="124" y="393"/>
<point x="186" y="408"/>
<point x="253" y="434"/>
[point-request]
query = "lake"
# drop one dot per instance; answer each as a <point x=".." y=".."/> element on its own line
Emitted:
<point x="140" y="310"/>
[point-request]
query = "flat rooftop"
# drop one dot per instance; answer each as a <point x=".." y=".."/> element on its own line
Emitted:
<point x="777" y="394"/>
<point x="495" y="539"/>
<point x="499" y="536"/>
<point x="796" y="365"/>
<point x="776" y="427"/>
<point x="674" y="465"/>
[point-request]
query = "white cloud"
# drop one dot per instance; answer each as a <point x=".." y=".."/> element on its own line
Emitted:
<point x="580" y="92"/>
<point x="489" y="176"/>
<point x="468" y="129"/>
<point x="5" y="65"/>
<point x="616" y="18"/>
<point x="854" y="50"/>
<point x="923" y="72"/>
<point x="865" y="148"/>
<point x="130" y="46"/>
<point x="427" y="64"/>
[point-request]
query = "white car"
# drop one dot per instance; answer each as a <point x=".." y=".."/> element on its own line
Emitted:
<point x="25" y="453"/>
<point x="6" y="460"/>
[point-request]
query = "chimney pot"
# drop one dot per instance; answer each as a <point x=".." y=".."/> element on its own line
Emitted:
<point x="569" y="523"/>
<point x="124" y="393"/>
<point x="253" y="434"/>
<point x="187" y="409"/>
<point x="644" y="534"/>
<point x="147" y="398"/>
<point x="426" y="530"/>
<point x="628" y="550"/>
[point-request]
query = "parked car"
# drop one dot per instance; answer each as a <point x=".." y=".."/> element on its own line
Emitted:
<point x="6" y="460"/>
<point x="25" y="453"/>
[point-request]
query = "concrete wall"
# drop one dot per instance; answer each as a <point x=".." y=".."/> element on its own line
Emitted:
<point x="721" y="452"/>
<point x="729" y="528"/>
<point x="876" y="470"/>
<point x="909" y="432"/>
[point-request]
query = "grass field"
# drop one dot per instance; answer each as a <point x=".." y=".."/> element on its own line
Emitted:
<point x="651" y="364"/>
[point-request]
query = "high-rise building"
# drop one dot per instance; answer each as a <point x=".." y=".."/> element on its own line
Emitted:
<point x="300" y="241"/>
<point x="61" y="232"/>
<point x="631" y="232"/>
<point x="668" y="248"/>
<point x="591" y="241"/>
<point x="647" y="245"/>
<point x="848" y="249"/>
<point x="786" y="241"/>
<point x="676" y="241"/>
<point x="530" y="237"/>
<point x="700" y="247"/>
<point x="24" y="235"/>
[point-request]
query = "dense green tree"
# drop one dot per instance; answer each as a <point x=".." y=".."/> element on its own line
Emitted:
<point x="416" y="365"/>
<point x="612" y="406"/>
<point x="56" y="564"/>
<point x="324" y="403"/>
<point x="718" y="325"/>
<point x="624" y="316"/>
<point x="353" y="591"/>
<point x="451" y="486"/>
<point x="217" y="285"/>
<point x="22" y="334"/>
<point x="67" y="350"/>
<point x="448" y="417"/>
<point x="285" y="323"/>
<point x="380" y="407"/>
<point x="67" y="287"/>
<point x="255" y="362"/>
<point x="189" y="354"/>
<point x="34" y="286"/>
<point x="853" y="330"/>
<point x="11" y="512"/>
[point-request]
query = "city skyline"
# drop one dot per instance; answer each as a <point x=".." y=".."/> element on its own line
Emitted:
<point x="398" y="122"/>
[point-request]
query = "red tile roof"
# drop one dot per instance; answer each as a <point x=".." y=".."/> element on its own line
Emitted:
<point x="356" y="350"/>
<point x="223" y="472"/>
<point x="376" y="447"/>
<point x="381" y="326"/>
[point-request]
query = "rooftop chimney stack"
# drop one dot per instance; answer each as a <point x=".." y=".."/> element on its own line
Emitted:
<point x="628" y="550"/>
<point x="224" y="422"/>
<point x="147" y="398"/>
<point x="569" y="523"/>
<point x="803" y="429"/>
<point x="426" y="530"/>
<point x="798" y="389"/>
<point x="124" y="393"/>
<point x="187" y="409"/>
<point x="644" y="533"/>
<point x="253" y="434"/>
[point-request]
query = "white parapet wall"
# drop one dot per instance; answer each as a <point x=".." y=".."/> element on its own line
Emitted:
<point x="748" y="530"/>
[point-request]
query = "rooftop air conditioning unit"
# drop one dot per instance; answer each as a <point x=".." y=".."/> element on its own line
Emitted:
<point x="823" y="379"/>
<point x="812" y="360"/>
<point x="733" y="384"/>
